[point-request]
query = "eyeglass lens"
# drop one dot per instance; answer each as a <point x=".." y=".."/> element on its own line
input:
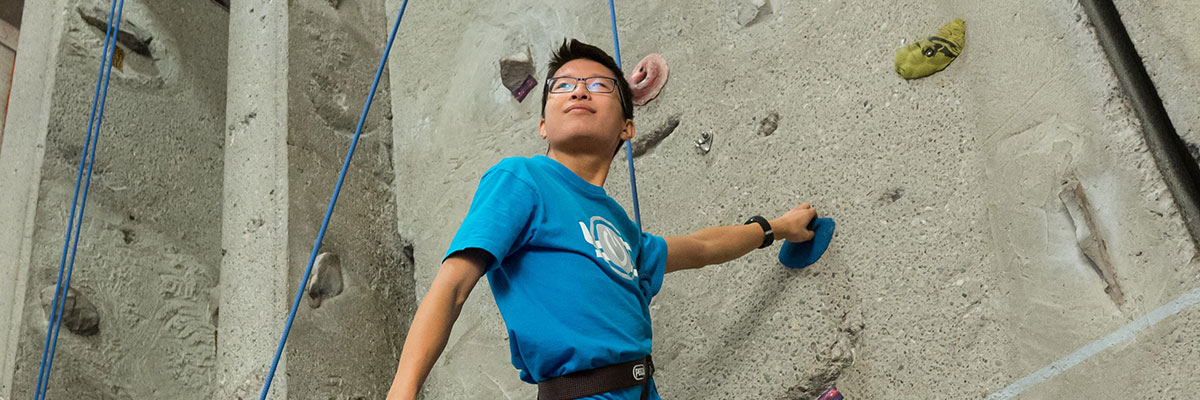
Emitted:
<point x="596" y="84"/>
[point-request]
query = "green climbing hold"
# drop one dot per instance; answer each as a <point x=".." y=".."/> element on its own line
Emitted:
<point x="933" y="54"/>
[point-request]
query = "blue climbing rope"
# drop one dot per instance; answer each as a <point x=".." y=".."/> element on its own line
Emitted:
<point x="90" y="141"/>
<point x="333" y="201"/>
<point x="637" y="211"/>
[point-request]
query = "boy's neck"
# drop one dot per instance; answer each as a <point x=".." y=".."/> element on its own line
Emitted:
<point x="591" y="167"/>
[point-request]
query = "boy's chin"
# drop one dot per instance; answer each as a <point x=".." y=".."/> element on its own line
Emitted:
<point x="581" y="144"/>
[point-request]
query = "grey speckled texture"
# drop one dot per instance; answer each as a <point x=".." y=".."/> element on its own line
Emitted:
<point x="955" y="270"/>
<point x="166" y="219"/>
<point x="254" y="290"/>
<point x="347" y="348"/>
<point x="1167" y="36"/>
<point x="150" y="242"/>
<point x="21" y="175"/>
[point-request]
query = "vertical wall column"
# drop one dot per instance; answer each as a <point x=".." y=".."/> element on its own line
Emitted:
<point x="21" y="168"/>
<point x="254" y="282"/>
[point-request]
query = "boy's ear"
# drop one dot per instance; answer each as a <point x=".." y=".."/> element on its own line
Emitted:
<point x="628" y="131"/>
<point x="542" y="128"/>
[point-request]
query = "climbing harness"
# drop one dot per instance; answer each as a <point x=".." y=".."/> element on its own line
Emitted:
<point x="333" y="201"/>
<point x="599" y="380"/>
<point x="88" y="156"/>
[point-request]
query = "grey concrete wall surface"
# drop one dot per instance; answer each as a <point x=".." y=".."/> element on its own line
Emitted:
<point x="222" y="197"/>
<point x="957" y="269"/>
<point x="255" y="210"/>
<point x="993" y="218"/>
<point x="20" y="174"/>
<point x="150" y="242"/>
<point x="1167" y="36"/>
<point x="345" y="347"/>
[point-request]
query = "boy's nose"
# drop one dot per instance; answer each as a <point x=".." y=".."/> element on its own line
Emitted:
<point x="580" y="92"/>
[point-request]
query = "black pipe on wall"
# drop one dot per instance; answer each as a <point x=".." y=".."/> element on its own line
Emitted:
<point x="1178" y="167"/>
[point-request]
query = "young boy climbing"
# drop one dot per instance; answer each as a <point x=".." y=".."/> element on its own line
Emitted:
<point x="572" y="275"/>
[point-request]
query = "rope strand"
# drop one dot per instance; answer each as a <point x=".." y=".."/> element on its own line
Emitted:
<point x="637" y="211"/>
<point x="332" y="202"/>
<point x="88" y="158"/>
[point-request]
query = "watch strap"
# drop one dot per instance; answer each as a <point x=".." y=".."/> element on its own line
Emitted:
<point x="768" y="233"/>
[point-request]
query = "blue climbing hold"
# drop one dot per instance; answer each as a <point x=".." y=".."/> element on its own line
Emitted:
<point x="800" y="255"/>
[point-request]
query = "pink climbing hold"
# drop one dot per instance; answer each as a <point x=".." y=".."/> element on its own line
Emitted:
<point x="648" y="78"/>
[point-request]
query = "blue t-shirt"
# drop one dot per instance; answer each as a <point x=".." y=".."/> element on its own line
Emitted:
<point x="572" y="274"/>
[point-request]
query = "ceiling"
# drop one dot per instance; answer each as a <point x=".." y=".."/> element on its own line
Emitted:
<point x="10" y="11"/>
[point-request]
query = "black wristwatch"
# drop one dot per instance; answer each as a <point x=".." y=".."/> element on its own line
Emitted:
<point x="768" y="234"/>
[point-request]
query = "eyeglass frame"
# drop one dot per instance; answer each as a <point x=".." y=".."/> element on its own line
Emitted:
<point x="550" y="87"/>
<point x="615" y="84"/>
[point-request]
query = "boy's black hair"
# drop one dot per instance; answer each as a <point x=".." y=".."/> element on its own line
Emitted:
<point x="576" y="50"/>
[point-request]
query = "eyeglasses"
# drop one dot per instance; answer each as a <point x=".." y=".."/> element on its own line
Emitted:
<point x="594" y="84"/>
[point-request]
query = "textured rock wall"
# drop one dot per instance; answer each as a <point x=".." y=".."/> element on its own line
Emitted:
<point x="1167" y="36"/>
<point x="150" y="244"/>
<point x="992" y="218"/>
<point x="957" y="268"/>
<point x="348" y="346"/>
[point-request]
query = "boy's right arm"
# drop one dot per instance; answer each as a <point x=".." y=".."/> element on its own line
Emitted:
<point x="435" y="316"/>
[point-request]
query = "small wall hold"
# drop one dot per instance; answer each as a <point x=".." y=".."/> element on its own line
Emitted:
<point x="1093" y="246"/>
<point x="892" y="195"/>
<point x="704" y="143"/>
<point x="831" y="394"/>
<point x="516" y="73"/>
<point x="79" y="315"/>
<point x="769" y="124"/>
<point x="752" y="11"/>
<point x="326" y="279"/>
<point x="642" y="144"/>
<point x="927" y="56"/>
<point x="335" y="3"/>
<point x="214" y="305"/>
<point x="118" y="58"/>
<point x="648" y="78"/>
<point x="130" y="35"/>
<point x="128" y="235"/>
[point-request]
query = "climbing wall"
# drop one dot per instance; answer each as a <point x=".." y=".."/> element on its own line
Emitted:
<point x="992" y="218"/>
<point x="146" y="283"/>
<point x="1167" y="36"/>
<point x="149" y="248"/>
<point x="345" y="342"/>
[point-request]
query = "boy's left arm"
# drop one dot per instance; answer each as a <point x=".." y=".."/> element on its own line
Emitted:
<point x="720" y="244"/>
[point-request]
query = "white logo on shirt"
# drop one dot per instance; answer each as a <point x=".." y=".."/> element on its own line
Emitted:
<point x="610" y="246"/>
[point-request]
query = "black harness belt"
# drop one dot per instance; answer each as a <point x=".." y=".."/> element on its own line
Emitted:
<point x="600" y="380"/>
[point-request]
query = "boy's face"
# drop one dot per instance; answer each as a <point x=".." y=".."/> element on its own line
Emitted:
<point x="580" y="121"/>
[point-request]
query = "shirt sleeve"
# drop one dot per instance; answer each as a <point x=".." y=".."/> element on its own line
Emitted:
<point x="651" y="263"/>
<point x="500" y="219"/>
